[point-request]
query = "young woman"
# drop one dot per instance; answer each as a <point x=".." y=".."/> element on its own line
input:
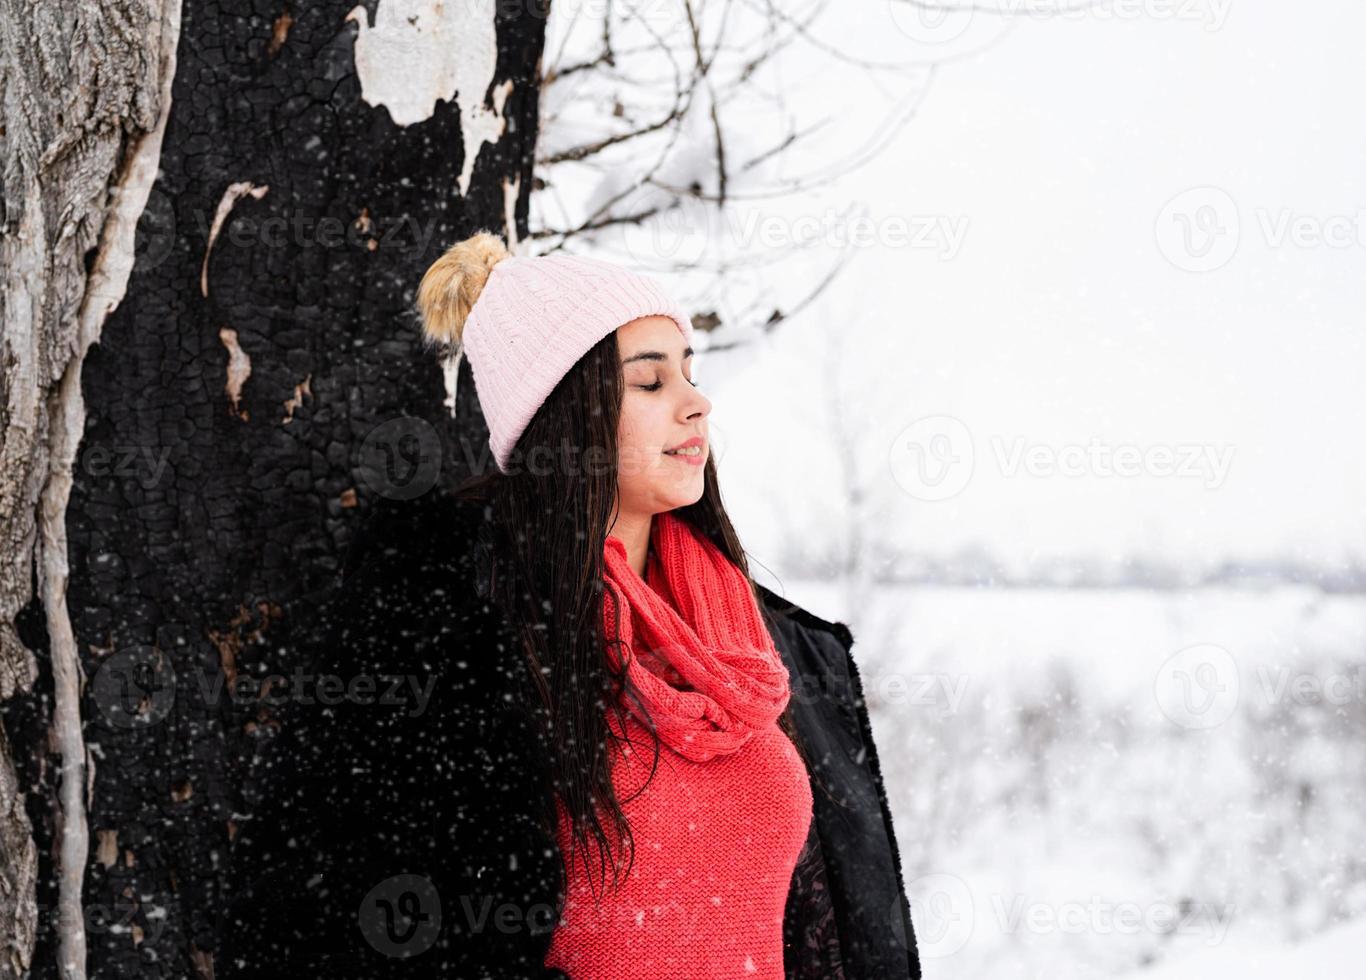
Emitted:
<point x="606" y="752"/>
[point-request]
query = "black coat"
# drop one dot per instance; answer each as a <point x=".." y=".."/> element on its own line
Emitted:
<point x="405" y="831"/>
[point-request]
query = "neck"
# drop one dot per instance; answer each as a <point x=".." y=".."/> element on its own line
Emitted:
<point x="633" y="530"/>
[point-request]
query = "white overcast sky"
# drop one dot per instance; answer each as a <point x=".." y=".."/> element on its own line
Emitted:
<point x="1050" y="309"/>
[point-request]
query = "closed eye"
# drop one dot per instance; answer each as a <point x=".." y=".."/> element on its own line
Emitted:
<point x="660" y="384"/>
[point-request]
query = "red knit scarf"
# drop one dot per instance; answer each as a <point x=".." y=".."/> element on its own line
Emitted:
<point x="693" y="619"/>
<point x="718" y="826"/>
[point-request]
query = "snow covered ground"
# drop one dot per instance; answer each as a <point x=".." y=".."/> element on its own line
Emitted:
<point x="1088" y="782"/>
<point x="1330" y="955"/>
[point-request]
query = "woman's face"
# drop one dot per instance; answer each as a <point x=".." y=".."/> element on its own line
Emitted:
<point x="660" y="409"/>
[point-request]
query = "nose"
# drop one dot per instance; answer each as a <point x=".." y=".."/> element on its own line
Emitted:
<point x="698" y="406"/>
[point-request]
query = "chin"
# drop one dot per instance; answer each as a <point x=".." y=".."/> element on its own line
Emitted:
<point x="675" y="495"/>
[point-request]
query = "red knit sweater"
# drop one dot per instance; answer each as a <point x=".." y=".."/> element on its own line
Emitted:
<point x="715" y="846"/>
<point x="718" y="828"/>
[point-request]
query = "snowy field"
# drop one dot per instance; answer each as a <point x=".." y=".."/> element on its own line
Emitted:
<point x="1098" y="783"/>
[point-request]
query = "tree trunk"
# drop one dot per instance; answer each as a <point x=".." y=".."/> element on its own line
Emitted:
<point x="197" y="421"/>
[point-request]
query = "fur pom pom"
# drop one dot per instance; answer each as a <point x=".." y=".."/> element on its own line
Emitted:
<point x="453" y="283"/>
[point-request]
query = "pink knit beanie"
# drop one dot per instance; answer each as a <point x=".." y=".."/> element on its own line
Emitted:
<point x="524" y="321"/>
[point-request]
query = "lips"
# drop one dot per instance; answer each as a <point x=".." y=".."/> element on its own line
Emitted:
<point x="697" y="441"/>
<point x="692" y="451"/>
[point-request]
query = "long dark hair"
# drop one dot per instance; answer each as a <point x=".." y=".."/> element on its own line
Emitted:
<point x="551" y="515"/>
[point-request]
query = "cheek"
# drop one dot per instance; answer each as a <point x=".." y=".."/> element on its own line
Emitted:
<point x="641" y="424"/>
<point x="629" y="424"/>
<point x="639" y="437"/>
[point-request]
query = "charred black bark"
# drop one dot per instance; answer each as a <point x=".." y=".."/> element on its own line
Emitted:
<point x="235" y="440"/>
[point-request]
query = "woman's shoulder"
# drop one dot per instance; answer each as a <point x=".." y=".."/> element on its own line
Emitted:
<point x="798" y="618"/>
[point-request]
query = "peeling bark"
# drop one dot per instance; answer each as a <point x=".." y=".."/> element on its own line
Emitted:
<point x="220" y="215"/>
<point x="85" y="94"/>
<point x="239" y="370"/>
<point x="420" y="52"/>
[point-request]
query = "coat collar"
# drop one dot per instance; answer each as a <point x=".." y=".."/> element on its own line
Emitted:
<point x="781" y="606"/>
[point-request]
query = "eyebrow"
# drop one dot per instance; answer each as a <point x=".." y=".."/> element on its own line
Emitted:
<point x="654" y="355"/>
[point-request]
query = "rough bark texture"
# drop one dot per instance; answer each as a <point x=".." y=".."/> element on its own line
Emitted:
<point x="260" y="385"/>
<point x="83" y="89"/>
